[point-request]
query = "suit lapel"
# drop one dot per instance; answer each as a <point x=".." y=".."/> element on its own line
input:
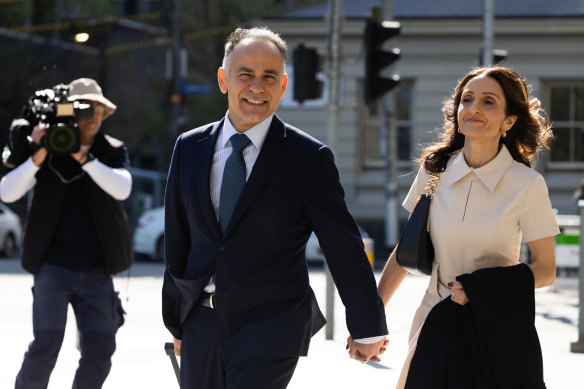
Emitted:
<point x="207" y="150"/>
<point x="273" y="150"/>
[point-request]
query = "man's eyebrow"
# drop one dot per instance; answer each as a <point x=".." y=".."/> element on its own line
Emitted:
<point x="267" y="71"/>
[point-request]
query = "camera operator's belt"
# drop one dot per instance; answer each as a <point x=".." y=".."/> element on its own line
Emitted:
<point x="207" y="300"/>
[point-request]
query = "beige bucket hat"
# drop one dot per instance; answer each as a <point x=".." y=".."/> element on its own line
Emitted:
<point x="88" y="89"/>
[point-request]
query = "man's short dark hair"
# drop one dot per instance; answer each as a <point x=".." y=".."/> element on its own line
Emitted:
<point x="260" y="34"/>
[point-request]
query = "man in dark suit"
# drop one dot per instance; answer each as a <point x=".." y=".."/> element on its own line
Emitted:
<point x="242" y="198"/>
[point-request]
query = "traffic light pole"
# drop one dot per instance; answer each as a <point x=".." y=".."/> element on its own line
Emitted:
<point x="389" y="144"/>
<point x="487" y="46"/>
<point x="333" y="131"/>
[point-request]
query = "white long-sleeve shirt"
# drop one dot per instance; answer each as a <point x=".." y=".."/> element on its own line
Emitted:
<point x="116" y="182"/>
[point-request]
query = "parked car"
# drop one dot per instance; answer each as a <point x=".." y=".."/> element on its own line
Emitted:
<point x="314" y="252"/>
<point x="149" y="234"/>
<point x="149" y="238"/>
<point x="10" y="232"/>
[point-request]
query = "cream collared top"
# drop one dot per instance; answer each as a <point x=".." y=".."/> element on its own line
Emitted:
<point x="477" y="220"/>
<point x="478" y="216"/>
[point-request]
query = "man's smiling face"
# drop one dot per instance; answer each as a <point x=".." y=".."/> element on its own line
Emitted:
<point x="254" y="81"/>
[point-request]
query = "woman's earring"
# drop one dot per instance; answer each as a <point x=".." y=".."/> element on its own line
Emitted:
<point x="503" y="133"/>
<point x="458" y="129"/>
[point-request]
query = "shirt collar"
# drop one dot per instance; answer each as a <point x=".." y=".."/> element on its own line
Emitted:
<point x="490" y="174"/>
<point x="257" y="134"/>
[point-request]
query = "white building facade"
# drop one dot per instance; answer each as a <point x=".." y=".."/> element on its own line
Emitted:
<point x="439" y="44"/>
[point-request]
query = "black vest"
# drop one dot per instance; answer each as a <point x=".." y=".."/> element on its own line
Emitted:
<point x="47" y="209"/>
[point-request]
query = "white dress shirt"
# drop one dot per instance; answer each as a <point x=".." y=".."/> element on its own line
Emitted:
<point x="257" y="135"/>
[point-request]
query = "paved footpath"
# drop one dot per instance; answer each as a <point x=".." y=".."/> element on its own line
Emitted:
<point x="140" y="361"/>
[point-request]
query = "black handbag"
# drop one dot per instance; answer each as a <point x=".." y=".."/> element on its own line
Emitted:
<point x="415" y="251"/>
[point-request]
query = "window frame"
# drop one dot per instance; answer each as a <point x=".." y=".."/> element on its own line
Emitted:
<point x="571" y="124"/>
<point x="371" y="123"/>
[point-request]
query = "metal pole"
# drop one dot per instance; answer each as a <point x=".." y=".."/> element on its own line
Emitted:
<point x="578" y="347"/>
<point x="389" y="143"/>
<point x="334" y="75"/>
<point x="488" y="16"/>
<point x="176" y="57"/>
<point x="175" y="112"/>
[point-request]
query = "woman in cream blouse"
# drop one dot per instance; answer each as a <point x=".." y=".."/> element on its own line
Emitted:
<point x="488" y="196"/>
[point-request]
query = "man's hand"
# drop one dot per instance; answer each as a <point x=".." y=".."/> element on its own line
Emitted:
<point x="177" y="343"/>
<point x="80" y="156"/>
<point x="37" y="134"/>
<point x="366" y="352"/>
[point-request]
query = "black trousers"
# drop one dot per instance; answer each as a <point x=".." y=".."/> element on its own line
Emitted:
<point x="202" y="365"/>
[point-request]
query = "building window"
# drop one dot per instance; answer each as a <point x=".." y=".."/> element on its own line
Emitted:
<point x="403" y="120"/>
<point x="565" y="102"/>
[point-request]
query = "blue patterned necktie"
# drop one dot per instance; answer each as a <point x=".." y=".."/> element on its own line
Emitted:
<point x="233" y="180"/>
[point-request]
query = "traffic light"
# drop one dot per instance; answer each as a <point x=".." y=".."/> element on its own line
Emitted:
<point x="498" y="56"/>
<point x="376" y="59"/>
<point x="306" y="65"/>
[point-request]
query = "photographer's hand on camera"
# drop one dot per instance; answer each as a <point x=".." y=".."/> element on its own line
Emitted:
<point x="80" y="156"/>
<point x="37" y="135"/>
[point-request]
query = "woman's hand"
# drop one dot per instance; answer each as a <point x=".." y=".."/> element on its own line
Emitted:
<point x="457" y="293"/>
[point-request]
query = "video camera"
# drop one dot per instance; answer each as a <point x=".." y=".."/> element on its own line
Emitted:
<point x="50" y="106"/>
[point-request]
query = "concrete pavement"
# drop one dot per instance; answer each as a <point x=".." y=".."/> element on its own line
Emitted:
<point x="140" y="361"/>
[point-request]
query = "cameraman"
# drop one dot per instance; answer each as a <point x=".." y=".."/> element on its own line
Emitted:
<point x="76" y="238"/>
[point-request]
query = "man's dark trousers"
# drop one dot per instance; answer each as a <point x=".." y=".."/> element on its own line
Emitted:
<point x="201" y="368"/>
<point x="98" y="312"/>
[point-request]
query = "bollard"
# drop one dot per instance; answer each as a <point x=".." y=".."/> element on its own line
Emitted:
<point x="330" y="304"/>
<point x="578" y="347"/>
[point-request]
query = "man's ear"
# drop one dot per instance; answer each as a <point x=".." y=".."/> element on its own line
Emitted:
<point x="221" y="80"/>
<point x="284" y="85"/>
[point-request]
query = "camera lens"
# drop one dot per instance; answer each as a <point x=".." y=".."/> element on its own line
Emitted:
<point x="62" y="139"/>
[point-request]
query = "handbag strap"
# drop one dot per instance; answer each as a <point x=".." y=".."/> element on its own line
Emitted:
<point x="430" y="189"/>
<point x="431" y="185"/>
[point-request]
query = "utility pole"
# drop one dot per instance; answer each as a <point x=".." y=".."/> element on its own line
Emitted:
<point x="176" y="76"/>
<point x="334" y="53"/>
<point x="175" y="109"/>
<point x="487" y="46"/>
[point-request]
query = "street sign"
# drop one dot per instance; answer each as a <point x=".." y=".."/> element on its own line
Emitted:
<point x="194" y="89"/>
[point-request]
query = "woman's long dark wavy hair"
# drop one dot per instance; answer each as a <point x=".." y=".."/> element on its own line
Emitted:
<point x="529" y="134"/>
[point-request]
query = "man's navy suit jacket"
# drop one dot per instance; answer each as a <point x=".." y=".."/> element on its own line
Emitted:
<point x="264" y="302"/>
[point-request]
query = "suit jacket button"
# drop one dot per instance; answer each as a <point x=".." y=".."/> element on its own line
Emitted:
<point x="222" y="247"/>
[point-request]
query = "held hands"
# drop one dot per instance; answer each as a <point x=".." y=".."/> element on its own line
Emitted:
<point x="366" y="352"/>
<point x="457" y="293"/>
